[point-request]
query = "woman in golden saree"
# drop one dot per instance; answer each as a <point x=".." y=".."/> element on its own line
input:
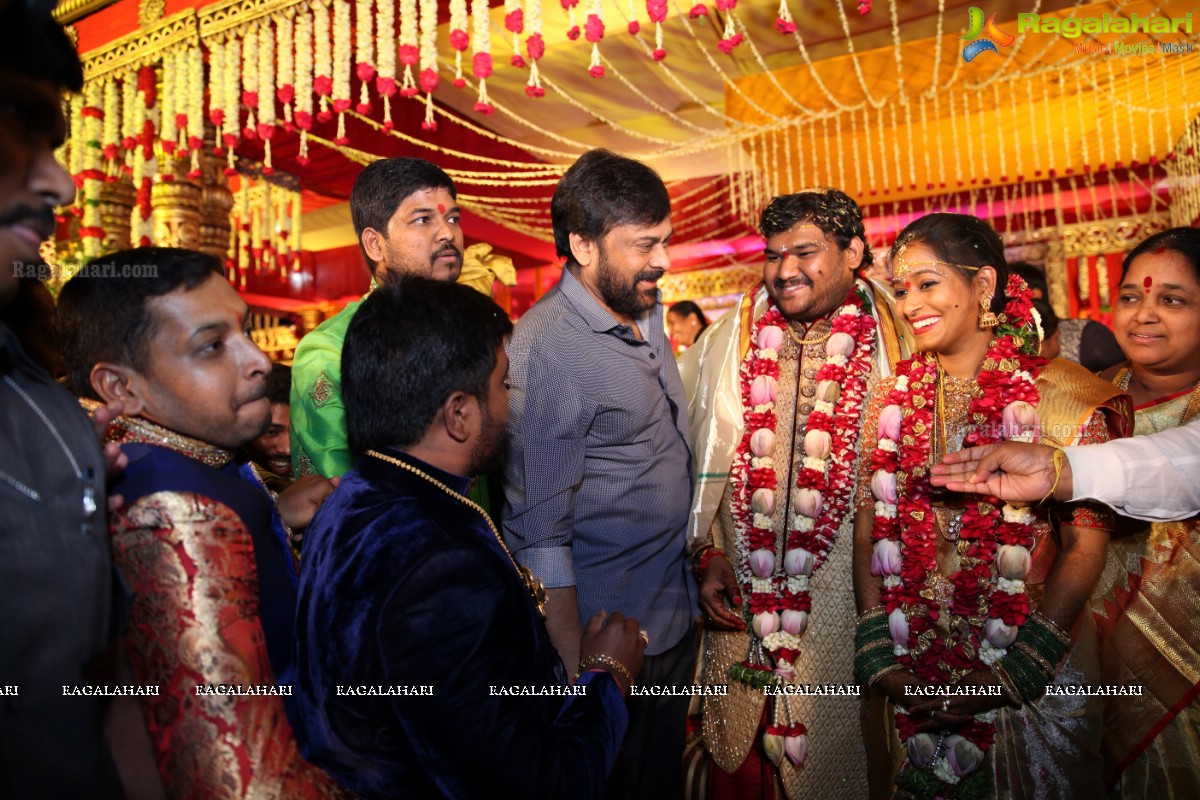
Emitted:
<point x="1147" y="603"/>
<point x="970" y="608"/>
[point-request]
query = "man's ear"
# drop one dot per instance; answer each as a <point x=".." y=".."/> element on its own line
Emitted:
<point x="460" y="415"/>
<point x="854" y="253"/>
<point x="372" y="245"/>
<point x="116" y="382"/>
<point x="582" y="250"/>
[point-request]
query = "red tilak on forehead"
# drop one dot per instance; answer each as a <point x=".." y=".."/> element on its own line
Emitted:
<point x="1148" y="283"/>
<point x="1158" y="251"/>
<point x="441" y="208"/>
<point x="908" y="285"/>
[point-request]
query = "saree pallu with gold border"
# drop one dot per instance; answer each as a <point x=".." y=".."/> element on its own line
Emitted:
<point x="1147" y="609"/>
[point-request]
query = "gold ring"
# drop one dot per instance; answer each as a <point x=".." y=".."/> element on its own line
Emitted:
<point x="645" y="636"/>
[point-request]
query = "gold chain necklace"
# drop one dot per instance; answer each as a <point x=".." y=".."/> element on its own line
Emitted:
<point x="802" y="342"/>
<point x="536" y="590"/>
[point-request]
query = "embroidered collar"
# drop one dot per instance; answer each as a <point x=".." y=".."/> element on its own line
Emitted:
<point x="137" y="430"/>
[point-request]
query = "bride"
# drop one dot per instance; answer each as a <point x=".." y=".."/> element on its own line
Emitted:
<point x="971" y="609"/>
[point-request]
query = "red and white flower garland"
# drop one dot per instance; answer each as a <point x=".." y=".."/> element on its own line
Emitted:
<point x="777" y="583"/>
<point x="998" y="539"/>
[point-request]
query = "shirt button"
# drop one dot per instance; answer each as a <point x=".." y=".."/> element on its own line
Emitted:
<point x="653" y="356"/>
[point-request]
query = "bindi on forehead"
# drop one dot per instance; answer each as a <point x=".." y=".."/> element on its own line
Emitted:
<point x="441" y="208"/>
<point x="1148" y="282"/>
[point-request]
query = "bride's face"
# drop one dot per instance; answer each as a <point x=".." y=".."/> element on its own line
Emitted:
<point x="938" y="303"/>
<point x="1157" y="317"/>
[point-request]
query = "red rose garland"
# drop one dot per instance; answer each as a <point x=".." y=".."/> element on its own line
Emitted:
<point x="998" y="539"/>
<point x="777" y="584"/>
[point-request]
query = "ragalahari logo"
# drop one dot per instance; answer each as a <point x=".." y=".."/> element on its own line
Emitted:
<point x="983" y="37"/>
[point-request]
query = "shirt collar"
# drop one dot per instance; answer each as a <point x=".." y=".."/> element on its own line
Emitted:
<point x="138" y="430"/>
<point x="598" y="318"/>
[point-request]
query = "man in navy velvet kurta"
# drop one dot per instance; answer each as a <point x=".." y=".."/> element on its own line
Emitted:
<point x="411" y="614"/>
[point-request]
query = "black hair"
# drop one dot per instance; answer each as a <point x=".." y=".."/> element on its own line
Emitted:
<point x="831" y="210"/>
<point x="107" y="319"/>
<point x="33" y="44"/>
<point x="963" y="240"/>
<point x="411" y="344"/>
<point x="686" y="308"/>
<point x="1033" y="276"/>
<point x="1185" y="241"/>
<point x="384" y="184"/>
<point x="601" y="191"/>
<point x="1049" y="318"/>
<point x="279" y="384"/>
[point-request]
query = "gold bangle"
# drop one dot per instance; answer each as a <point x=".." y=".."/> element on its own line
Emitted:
<point x="872" y="613"/>
<point x="874" y="679"/>
<point x="608" y="661"/>
<point x="1055" y="629"/>
<point x="1057" y="461"/>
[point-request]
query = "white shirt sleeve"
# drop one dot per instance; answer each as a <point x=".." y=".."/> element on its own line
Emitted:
<point x="1154" y="478"/>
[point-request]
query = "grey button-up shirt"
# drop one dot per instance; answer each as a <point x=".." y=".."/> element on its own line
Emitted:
<point x="599" y="477"/>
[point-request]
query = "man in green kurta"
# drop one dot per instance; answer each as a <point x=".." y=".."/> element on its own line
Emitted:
<point x="406" y="217"/>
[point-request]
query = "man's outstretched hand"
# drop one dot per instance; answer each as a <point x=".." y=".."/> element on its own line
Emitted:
<point x="1013" y="471"/>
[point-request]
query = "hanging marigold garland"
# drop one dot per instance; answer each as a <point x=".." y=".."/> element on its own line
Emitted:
<point x="304" y="78"/>
<point x="409" y="49"/>
<point x="110" y="139"/>
<point x="195" y="109"/>
<point x="731" y="38"/>
<point x="481" y="61"/>
<point x="285" y="50"/>
<point x="657" y="11"/>
<point x="342" y="67"/>
<point x="145" y="165"/>
<point x="535" y="46"/>
<point x="460" y="40"/>
<point x="322" y="59"/>
<point x="250" y="80"/>
<point x="514" y="23"/>
<point x="91" y="177"/>
<point x="385" y="74"/>
<point x="364" y="51"/>
<point x="266" y="92"/>
<point x="594" y="32"/>
<point x="428" y="79"/>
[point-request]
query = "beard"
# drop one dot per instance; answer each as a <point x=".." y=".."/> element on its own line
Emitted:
<point x="491" y="448"/>
<point x="626" y="298"/>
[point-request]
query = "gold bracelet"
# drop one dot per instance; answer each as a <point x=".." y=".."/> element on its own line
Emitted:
<point x="1055" y="629"/>
<point x="1057" y="461"/>
<point x="607" y="661"/>
<point x="872" y="613"/>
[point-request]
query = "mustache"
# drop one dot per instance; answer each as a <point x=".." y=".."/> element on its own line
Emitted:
<point x="652" y="275"/>
<point x="448" y="249"/>
<point x="40" y="219"/>
<point x="800" y="280"/>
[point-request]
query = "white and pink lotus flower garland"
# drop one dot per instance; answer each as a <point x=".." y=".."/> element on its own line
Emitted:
<point x="998" y="540"/>
<point x="774" y="571"/>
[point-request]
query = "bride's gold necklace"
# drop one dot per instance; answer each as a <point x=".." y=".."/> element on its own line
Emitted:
<point x="536" y="590"/>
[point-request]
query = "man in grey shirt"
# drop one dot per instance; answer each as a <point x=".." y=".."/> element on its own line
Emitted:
<point x="599" y="478"/>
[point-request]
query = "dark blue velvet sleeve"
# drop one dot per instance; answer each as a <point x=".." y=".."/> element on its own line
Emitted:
<point x="462" y="622"/>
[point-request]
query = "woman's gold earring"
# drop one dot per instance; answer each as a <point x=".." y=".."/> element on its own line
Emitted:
<point x="987" y="320"/>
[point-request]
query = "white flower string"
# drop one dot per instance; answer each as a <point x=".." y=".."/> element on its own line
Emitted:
<point x="266" y="91"/>
<point x="249" y="80"/>
<point x="342" y="68"/>
<point x="481" y="44"/>
<point x="364" y="50"/>
<point x="428" y="79"/>
<point x="304" y="78"/>
<point x="385" y="74"/>
<point x="285" y="54"/>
